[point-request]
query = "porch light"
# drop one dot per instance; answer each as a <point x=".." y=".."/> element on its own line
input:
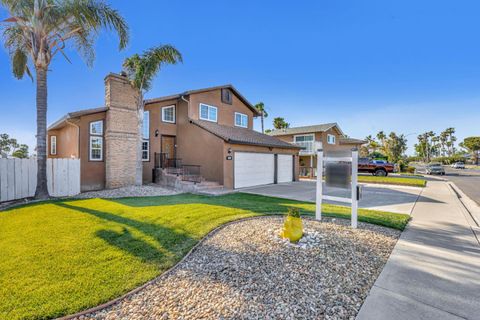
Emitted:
<point x="156" y="133"/>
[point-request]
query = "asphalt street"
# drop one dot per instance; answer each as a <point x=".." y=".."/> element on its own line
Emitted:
<point x="466" y="179"/>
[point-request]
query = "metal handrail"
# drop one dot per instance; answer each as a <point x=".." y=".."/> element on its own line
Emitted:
<point x="191" y="173"/>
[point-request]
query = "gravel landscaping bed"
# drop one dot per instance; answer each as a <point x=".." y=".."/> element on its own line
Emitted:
<point x="133" y="191"/>
<point x="244" y="271"/>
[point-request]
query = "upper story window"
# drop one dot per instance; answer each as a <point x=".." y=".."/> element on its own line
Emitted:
<point x="330" y="139"/>
<point x="146" y="125"/>
<point x="168" y="114"/>
<point x="207" y="112"/>
<point x="304" y="138"/>
<point x="226" y="96"/>
<point x="241" y="120"/>
<point x="53" y="145"/>
<point x="96" y="128"/>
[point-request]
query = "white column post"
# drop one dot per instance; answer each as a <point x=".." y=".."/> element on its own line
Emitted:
<point x="318" y="211"/>
<point x="354" y="187"/>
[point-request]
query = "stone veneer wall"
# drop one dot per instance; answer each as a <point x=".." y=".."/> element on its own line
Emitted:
<point x="120" y="132"/>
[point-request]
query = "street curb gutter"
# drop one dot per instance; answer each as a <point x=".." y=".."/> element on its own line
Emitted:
<point x="470" y="205"/>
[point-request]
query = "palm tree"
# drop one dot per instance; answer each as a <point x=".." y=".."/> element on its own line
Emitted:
<point x="141" y="70"/>
<point x="279" y="123"/>
<point x="263" y="113"/>
<point x="37" y="31"/>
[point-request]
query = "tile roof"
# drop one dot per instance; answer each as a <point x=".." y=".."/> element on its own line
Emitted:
<point x="306" y="129"/>
<point x="59" y="123"/>
<point x="351" y="141"/>
<point x="238" y="135"/>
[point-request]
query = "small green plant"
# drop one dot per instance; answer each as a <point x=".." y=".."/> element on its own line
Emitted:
<point x="293" y="212"/>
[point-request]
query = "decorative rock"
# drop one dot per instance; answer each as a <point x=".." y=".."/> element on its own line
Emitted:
<point x="246" y="271"/>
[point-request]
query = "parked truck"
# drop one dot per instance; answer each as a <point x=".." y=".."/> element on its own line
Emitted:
<point x="379" y="168"/>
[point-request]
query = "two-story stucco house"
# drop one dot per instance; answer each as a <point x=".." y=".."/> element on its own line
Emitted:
<point x="328" y="137"/>
<point x="207" y="131"/>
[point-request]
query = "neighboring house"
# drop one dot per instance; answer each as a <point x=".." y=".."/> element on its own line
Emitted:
<point x="328" y="137"/>
<point x="210" y="130"/>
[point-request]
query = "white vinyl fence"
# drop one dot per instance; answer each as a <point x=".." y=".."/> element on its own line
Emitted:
<point x="18" y="178"/>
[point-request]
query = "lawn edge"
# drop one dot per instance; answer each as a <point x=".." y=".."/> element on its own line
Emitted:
<point x="163" y="274"/>
<point x="395" y="184"/>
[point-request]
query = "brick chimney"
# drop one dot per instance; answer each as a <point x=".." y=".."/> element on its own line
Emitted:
<point x="120" y="132"/>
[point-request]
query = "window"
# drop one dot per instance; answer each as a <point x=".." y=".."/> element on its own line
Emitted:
<point x="304" y="138"/>
<point x="146" y="124"/>
<point x="241" y="120"/>
<point x="96" y="148"/>
<point x="96" y="128"/>
<point x="226" y="96"/>
<point x="53" y="145"/>
<point x="146" y="150"/>
<point x="208" y="113"/>
<point x="330" y="139"/>
<point x="168" y="114"/>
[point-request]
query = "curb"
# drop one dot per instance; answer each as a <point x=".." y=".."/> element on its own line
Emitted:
<point x="160" y="276"/>
<point x="470" y="205"/>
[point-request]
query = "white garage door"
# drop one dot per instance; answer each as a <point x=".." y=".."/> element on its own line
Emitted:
<point x="285" y="168"/>
<point x="253" y="169"/>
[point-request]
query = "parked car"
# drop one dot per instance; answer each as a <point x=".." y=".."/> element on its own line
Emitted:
<point x="458" y="165"/>
<point x="435" y="168"/>
<point x="376" y="167"/>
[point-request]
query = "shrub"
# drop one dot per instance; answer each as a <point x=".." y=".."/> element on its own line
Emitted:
<point x="293" y="212"/>
<point x="410" y="169"/>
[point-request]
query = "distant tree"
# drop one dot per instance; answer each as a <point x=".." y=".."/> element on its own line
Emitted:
<point x="10" y="146"/>
<point x="279" y="123"/>
<point x="141" y="70"/>
<point x="21" y="152"/>
<point x="263" y="113"/>
<point x="395" y="147"/>
<point x="372" y="144"/>
<point x="38" y="30"/>
<point x="472" y="144"/>
<point x="268" y="130"/>
<point x="423" y="148"/>
<point x="449" y="141"/>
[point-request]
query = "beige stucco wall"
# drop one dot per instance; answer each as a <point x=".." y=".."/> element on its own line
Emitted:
<point x="197" y="146"/>
<point x="92" y="173"/>
<point x="226" y="112"/>
<point x="67" y="142"/>
<point x="164" y="128"/>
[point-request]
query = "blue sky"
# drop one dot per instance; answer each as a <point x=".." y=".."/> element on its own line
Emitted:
<point x="405" y="66"/>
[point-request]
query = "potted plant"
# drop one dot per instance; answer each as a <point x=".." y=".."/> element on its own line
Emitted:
<point x="293" y="226"/>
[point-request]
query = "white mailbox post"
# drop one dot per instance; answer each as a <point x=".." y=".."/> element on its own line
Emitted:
<point x="353" y="200"/>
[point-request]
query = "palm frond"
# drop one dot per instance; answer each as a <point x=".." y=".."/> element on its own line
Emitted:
<point x="97" y="15"/>
<point x="141" y="70"/>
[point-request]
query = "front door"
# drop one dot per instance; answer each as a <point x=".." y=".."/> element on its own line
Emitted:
<point x="168" y="146"/>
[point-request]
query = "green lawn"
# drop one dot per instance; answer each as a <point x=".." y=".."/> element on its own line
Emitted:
<point x="60" y="257"/>
<point x="403" y="181"/>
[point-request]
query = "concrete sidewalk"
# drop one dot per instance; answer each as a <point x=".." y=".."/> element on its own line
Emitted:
<point x="434" y="269"/>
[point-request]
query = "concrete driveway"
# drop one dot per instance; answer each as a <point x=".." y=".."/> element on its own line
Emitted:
<point x="378" y="197"/>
